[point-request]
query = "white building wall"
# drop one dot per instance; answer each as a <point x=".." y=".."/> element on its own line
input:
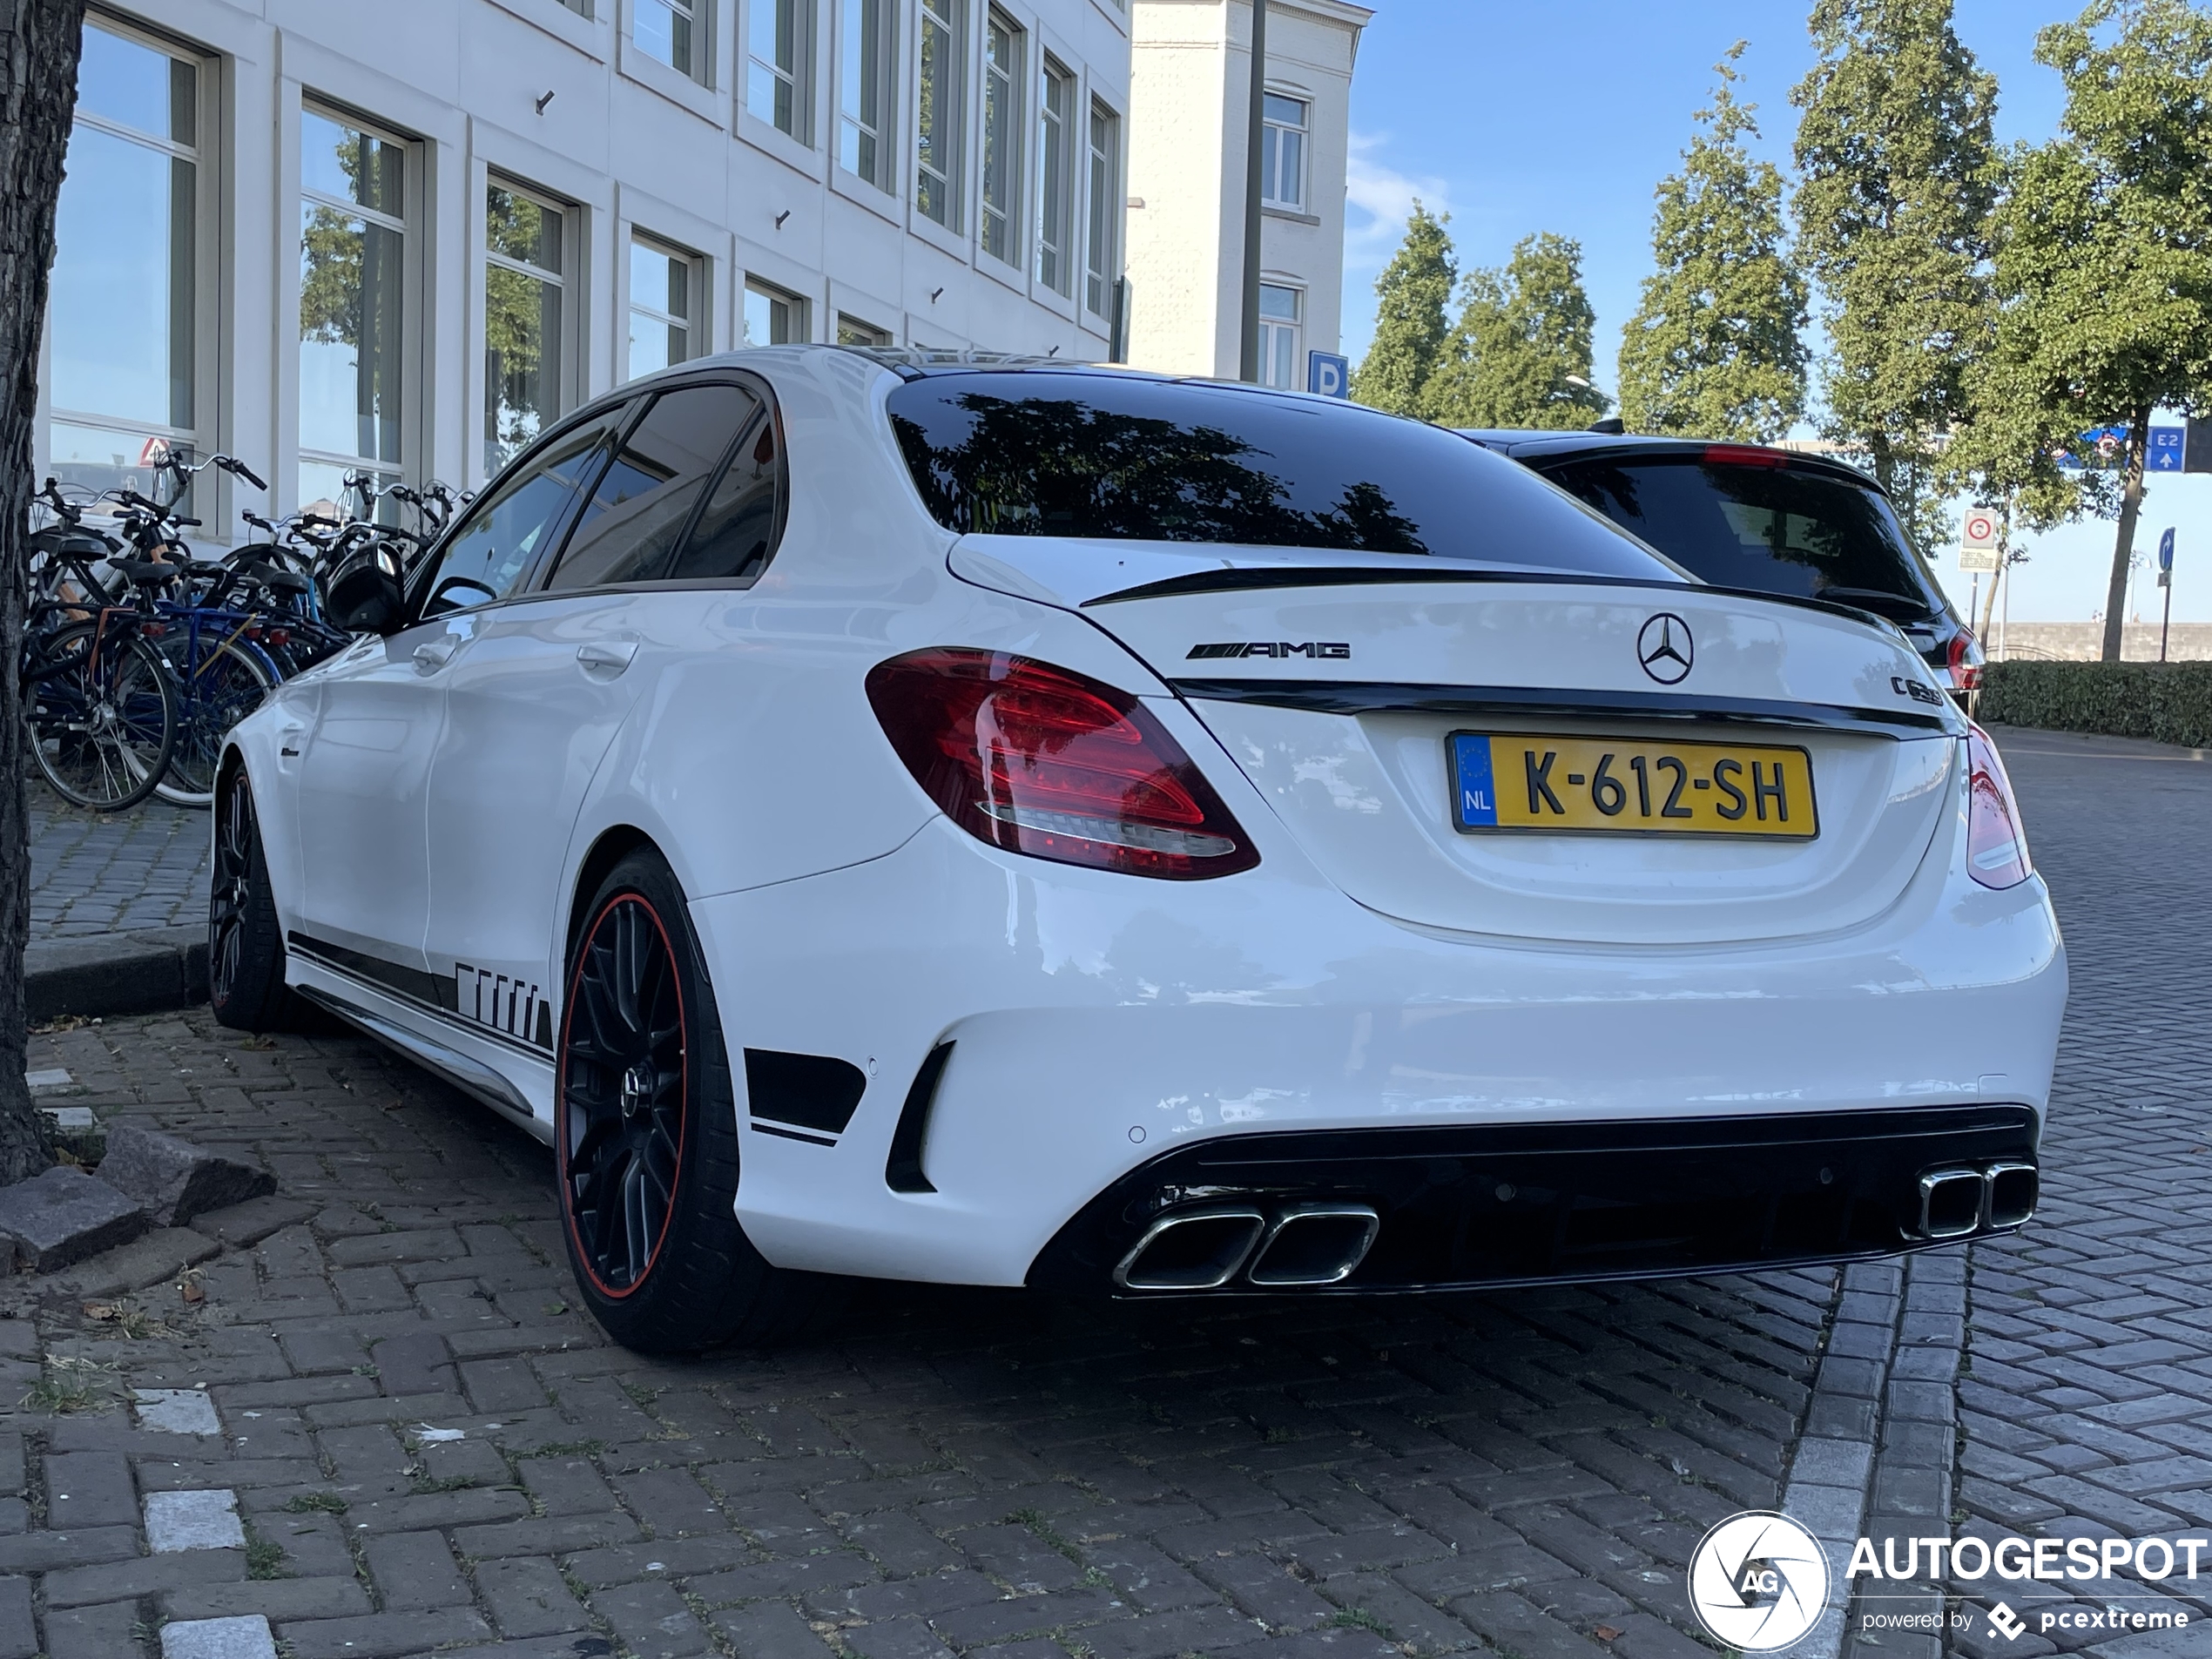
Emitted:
<point x="627" y="144"/>
<point x="1192" y="70"/>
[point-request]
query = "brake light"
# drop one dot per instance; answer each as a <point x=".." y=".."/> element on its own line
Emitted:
<point x="1966" y="661"/>
<point x="1996" y="846"/>
<point x="1039" y="760"/>
<point x="1744" y="454"/>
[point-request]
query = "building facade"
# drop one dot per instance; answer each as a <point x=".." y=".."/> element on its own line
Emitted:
<point x="400" y="238"/>
<point x="1190" y="97"/>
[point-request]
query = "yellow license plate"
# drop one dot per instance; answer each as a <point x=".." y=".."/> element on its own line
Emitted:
<point x="1521" y="781"/>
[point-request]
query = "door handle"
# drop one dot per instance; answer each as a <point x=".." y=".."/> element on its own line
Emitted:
<point x="614" y="656"/>
<point x="434" y="654"/>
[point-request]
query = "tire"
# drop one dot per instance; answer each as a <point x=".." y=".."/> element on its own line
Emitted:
<point x="101" y="724"/>
<point x="645" y="1141"/>
<point x="233" y="680"/>
<point x="245" y="985"/>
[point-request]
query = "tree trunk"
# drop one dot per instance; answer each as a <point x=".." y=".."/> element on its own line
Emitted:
<point x="2123" y="546"/>
<point x="39" y="42"/>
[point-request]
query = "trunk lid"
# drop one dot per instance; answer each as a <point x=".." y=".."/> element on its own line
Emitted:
<point x="1336" y="684"/>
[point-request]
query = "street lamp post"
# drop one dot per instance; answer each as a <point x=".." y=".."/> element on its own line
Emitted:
<point x="1248" y="351"/>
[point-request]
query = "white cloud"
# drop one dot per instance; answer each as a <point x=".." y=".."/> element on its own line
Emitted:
<point x="1379" y="200"/>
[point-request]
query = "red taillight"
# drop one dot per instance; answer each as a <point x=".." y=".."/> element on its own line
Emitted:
<point x="1996" y="846"/>
<point x="1744" y="454"/>
<point x="1965" y="662"/>
<point x="1039" y="760"/>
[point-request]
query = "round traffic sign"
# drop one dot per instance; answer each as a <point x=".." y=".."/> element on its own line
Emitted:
<point x="1980" y="527"/>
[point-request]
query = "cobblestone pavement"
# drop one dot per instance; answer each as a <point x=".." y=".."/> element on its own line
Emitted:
<point x="429" y="1446"/>
<point x="99" y="873"/>
<point x="2082" y="1399"/>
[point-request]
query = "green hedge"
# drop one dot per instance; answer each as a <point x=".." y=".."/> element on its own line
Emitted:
<point x="2166" y="702"/>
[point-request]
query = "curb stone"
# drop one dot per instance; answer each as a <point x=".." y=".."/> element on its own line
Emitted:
<point x="134" y="973"/>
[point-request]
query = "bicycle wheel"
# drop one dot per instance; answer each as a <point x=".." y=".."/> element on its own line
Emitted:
<point x="101" y="718"/>
<point x="231" y="681"/>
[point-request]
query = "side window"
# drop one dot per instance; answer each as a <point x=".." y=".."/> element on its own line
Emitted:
<point x="737" y="529"/>
<point x="493" y="550"/>
<point x="645" y="496"/>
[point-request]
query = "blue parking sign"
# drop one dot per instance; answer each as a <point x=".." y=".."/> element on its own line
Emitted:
<point x="1328" y="374"/>
<point x="2168" y="449"/>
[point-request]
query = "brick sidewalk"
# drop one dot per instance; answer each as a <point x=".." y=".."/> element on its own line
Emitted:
<point x="431" y="1445"/>
<point x="102" y="873"/>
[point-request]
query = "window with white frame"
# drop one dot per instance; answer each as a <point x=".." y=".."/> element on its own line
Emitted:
<point x="122" y="315"/>
<point x="526" y="244"/>
<point x="1282" y="155"/>
<point x="581" y="7"/>
<point x="941" y="109"/>
<point x="353" y="319"/>
<point x="772" y="317"/>
<point x="1102" y="255"/>
<point x="673" y="31"/>
<point x="1004" y="46"/>
<point x="778" y="35"/>
<point x="865" y="55"/>
<point x="1281" y="312"/>
<point x="1055" y="178"/>
<point x="665" y="290"/>
<point x="850" y="331"/>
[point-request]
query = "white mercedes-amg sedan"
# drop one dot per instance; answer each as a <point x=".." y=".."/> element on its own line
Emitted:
<point x="1004" y="823"/>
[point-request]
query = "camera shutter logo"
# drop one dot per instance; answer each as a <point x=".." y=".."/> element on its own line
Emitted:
<point x="1758" y="1582"/>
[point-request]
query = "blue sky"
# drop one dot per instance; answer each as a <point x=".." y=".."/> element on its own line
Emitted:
<point x="1563" y="116"/>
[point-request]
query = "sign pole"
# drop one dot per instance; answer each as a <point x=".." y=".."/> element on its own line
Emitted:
<point x="2166" y="621"/>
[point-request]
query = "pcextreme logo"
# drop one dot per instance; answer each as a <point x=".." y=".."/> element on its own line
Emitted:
<point x="1758" y="1582"/>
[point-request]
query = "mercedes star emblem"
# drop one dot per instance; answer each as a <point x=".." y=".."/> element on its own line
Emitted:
<point x="1665" y="648"/>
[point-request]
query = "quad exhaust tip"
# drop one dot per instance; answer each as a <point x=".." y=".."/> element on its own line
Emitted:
<point x="1956" y="1203"/>
<point x="1306" y="1245"/>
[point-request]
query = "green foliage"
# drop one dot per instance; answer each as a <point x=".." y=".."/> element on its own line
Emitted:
<point x="1713" y="351"/>
<point x="1896" y="180"/>
<point x="1414" y="291"/>
<point x="1521" y="346"/>
<point x="2165" y="702"/>
<point x="2103" y="266"/>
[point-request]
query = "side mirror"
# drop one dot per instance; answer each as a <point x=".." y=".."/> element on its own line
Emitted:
<point x="364" y="596"/>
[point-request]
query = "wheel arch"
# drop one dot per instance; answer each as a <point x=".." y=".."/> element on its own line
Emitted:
<point x="612" y="845"/>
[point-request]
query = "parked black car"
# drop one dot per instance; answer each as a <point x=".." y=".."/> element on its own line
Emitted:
<point x="1753" y="516"/>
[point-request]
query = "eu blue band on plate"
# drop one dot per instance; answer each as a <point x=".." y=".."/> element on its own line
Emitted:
<point x="1475" y="799"/>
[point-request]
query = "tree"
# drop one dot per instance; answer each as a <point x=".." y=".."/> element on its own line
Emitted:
<point x="2103" y="266"/>
<point x="1520" y="355"/>
<point x="1414" y="290"/>
<point x="1897" y="183"/>
<point x="1714" y="350"/>
<point x="39" y="42"/>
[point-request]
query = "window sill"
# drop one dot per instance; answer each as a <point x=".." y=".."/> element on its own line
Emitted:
<point x="643" y="69"/>
<point x="771" y="140"/>
<point x="859" y="192"/>
<point x="923" y="228"/>
<point x="593" y="36"/>
<point x="1295" y="217"/>
<point x="1118" y="15"/>
<point x="1006" y="276"/>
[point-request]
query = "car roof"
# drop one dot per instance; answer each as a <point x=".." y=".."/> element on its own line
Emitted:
<point x="1534" y="448"/>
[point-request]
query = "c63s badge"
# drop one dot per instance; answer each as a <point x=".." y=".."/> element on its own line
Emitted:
<point x="1319" y="649"/>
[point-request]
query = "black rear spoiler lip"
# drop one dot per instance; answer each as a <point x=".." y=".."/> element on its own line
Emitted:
<point x="1322" y="575"/>
<point x="1370" y="696"/>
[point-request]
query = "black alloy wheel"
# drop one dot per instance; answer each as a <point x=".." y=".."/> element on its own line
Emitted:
<point x="623" y="1078"/>
<point x="645" y="1143"/>
<point x="246" y="984"/>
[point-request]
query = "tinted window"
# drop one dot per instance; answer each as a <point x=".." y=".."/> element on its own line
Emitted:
<point x="737" y="532"/>
<point x="1039" y="452"/>
<point x="645" y="496"/>
<point x="493" y="548"/>
<point x="1773" y="529"/>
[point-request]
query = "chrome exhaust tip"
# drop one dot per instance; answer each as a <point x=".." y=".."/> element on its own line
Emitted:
<point x="2009" y="1194"/>
<point x="1192" y="1250"/>
<point x="1315" y="1244"/>
<point x="1951" y="1203"/>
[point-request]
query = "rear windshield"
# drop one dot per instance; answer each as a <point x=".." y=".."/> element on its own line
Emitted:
<point x="1772" y="530"/>
<point x="1044" y="453"/>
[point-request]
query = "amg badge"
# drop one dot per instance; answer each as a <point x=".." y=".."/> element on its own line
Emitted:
<point x="1335" y="649"/>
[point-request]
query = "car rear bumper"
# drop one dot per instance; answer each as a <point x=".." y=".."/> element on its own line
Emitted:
<point x="1089" y="1028"/>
